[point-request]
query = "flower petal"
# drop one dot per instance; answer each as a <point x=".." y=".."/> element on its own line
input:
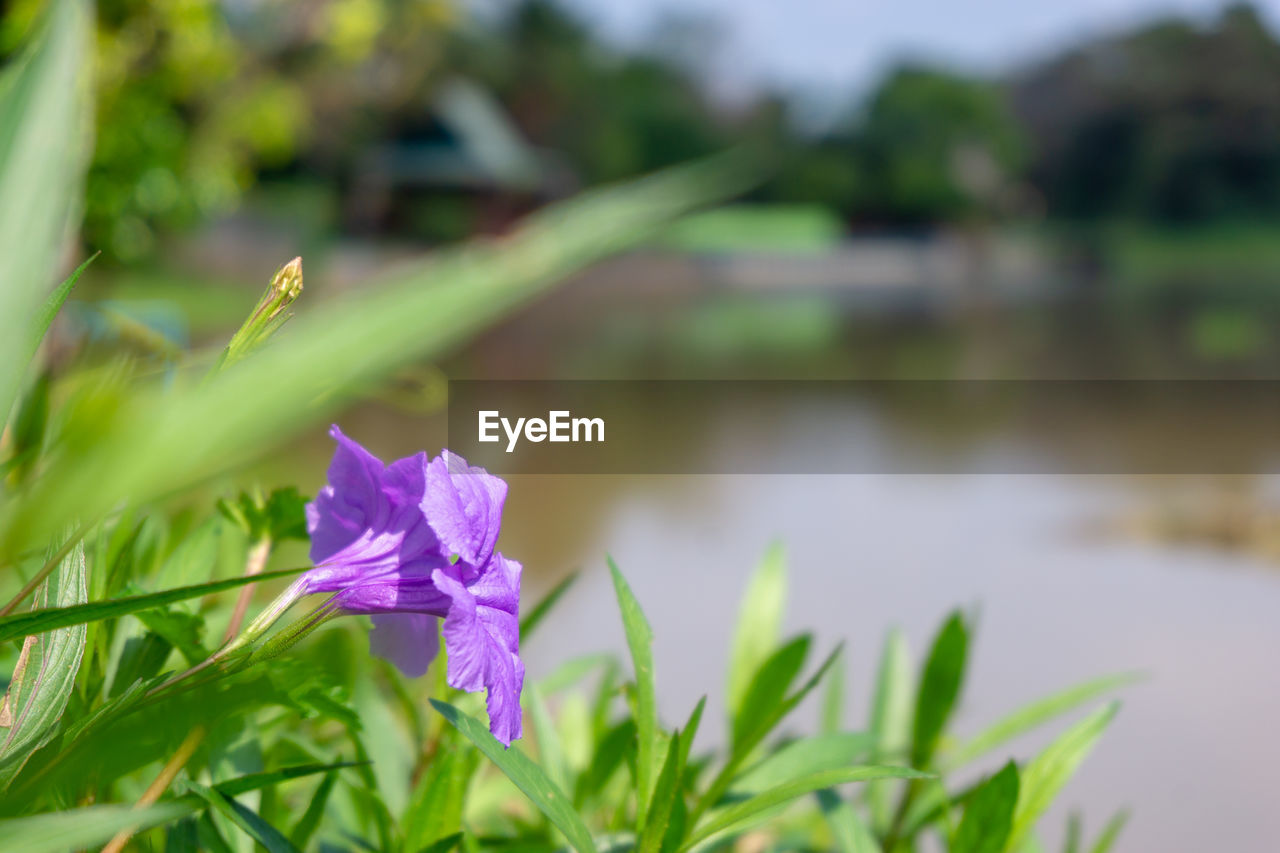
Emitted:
<point x="482" y="634"/>
<point x="408" y="640"/>
<point x="349" y="504"/>
<point x="367" y="524"/>
<point x="463" y="505"/>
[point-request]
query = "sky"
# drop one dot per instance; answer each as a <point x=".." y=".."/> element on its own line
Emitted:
<point x="817" y="45"/>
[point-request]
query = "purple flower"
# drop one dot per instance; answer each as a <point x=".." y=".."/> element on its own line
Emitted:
<point x="414" y="541"/>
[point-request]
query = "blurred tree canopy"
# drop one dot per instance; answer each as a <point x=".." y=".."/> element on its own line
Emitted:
<point x="1173" y="123"/>
<point x="197" y="99"/>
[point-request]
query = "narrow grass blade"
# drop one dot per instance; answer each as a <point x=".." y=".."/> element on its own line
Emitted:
<point x="526" y="776"/>
<point x="1110" y="833"/>
<point x="805" y="757"/>
<point x="740" y="815"/>
<point x="73" y="829"/>
<point x="36" y="622"/>
<point x="245" y="818"/>
<point x="1036" y="714"/>
<point x="1044" y="777"/>
<point x="767" y="692"/>
<point x="851" y="835"/>
<point x="44" y="113"/>
<point x="640" y="642"/>
<point x="988" y="815"/>
<point x="49" y="310"/>
<point x="665" y="792"/>
<point x="890" y="721"/>
<point x="540" y="610"/>
<point x="759" y="624"/>
<point x="939" y="688"/>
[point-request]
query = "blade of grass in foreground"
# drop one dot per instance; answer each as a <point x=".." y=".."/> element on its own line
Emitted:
<point x="640" y="641"/>
<point x="526" y="776"/>
<point x="26" y="624"/>
<point x="44" y="103"/>
<point x="140" y="442"/>
<point x="740" y="814"/>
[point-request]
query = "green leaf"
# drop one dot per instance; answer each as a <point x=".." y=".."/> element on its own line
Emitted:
<point x="691" y="729"/>
<point x="833" y="699"/>
<point x="436" y="804"/>
<point x="805" y="757"/>
<point x="759" y="625"/>
<point x="1044" y="777"/>
<point x="256" y="781"/>
<point x="939" y="688"/>
<point x="39" y="621"/>
<point x="890" y="721"/>
<point x="767" y="692"/>
<point x="550" y="749"/>
<point x="1110" y="833"/>
<point x="1037" y="713"/>
<point x="44" y="116"/>
<point x="988" y="815"/>
<point x="610" y="753"/>
<point x="306" y="826"/>
<point x="526" y="776"/>
<point x="740" y="815"/>
<point x="540" y="610"/>
<point x="46" y="672"/>
<point x="28" y="430"/>
<point x="73" y="829"/>
<point x="665" y="792"/>
<point x="1074" y="829"/>
<point x="49" y="310"/>
<point x="640" y="641"/>
<point x="847" y="829"/>
<point x="245" y="818"/>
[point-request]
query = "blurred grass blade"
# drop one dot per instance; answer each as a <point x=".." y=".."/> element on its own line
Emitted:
<point x="436" y="803"/>
<point x="44" y="116"/>
<point x="640" y="642"/>
<point x="850" y="833"/>
<point x="1044" y="777"/>
<point x="740" y="815"/>
<point x="691" y="728"/>
<point x="245" y="818"/>
<point x="526" y="776"/>
<point x="49" y="310"/>
<point x="767" y="692"/>
<point x="306" y="826"/>
<point x="73" y="829"/>
<point x="535" y="616"/>
<point x="1110" y="833"/>
<point x="833" y="698"/>
<point x="46" y="671"/>
<point x="1035" y="714"/>
<point x="890" y="721"/>
<point x="939" y="688"/>
<point x="550" y="748"/>
<point x="38" y="621"/>
<point x="665" y="792"/>
<point x="138" y="443"/>
<point x="988" y="815"/>
<point x="759" y="624"/>
<point x="257" y="781"/>
<point x="805" y="757"/>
